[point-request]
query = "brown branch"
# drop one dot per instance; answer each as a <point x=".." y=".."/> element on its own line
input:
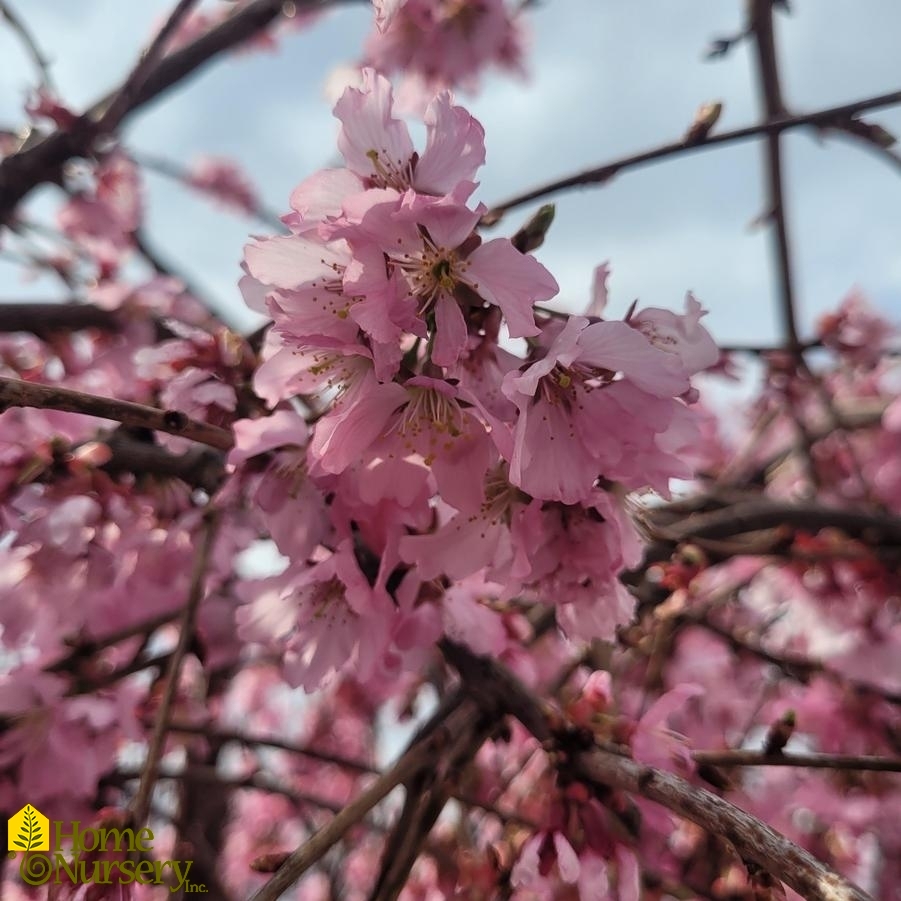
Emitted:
<point x="45" y="319"/>
<point x="752" y="839"/>
<point x="21" y="172"/>
<point x="760" y="27"/>
<point x="492" y="683"/>
<point x="227" y="735"/>
<point x="751" y="516"/>
<point x="419" y="756"/>
<point x="17" y="24"/>
<point x="18" y="393"/>
<point x="124" y="98"/>
<point x="89" y="684"/>
<point x="244" y="738"/>
<point x="199" y="467"/>
<point x="873" y="137"/>
<point x="598" y="175"/>
<point x="426" y="798"/>
<point x="140" y="805"/>
<point x="213" y="776"/>
<point x="795" y="666"/>
<point x="87" y="647"/>
<point x="809" y="761"/>
<point x="423" y="805"/>
<point x="762" y="350"/>
<point x="166" y="268"/>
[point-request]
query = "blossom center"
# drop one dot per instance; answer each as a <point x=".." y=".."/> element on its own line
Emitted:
<point x="561" y="385"/>
<point x="434" y="271"/>
<point x="389" y="173"/>
<point x="429" y="412"/>
<point x="500" y="495"/>
<point x="327" y="596"/>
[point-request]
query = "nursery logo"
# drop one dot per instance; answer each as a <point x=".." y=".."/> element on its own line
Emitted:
<point x="29" y="830"/>
<point x="100" y="856"/>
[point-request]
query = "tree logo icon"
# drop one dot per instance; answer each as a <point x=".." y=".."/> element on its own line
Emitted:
<point x="29" y="830"/>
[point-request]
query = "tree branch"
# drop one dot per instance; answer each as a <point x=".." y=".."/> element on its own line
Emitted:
<point x="754" y="840"/>
<point x="808" y="761"/>
<point x="488" y="680"/>
<point x="140" y="805"/>
<point x="17" y="24"/>
<point x="598" y="175"/>
<point x="18" y="393"/>
<point x="199" y="467"/>
<point x="760" y="27"/>
<point x="172" y="170"/>
<point x="750" y="516"/>
<point x="124" y="98"/>
<point x="84" y="648"/>
<point x="228" y="735"/>
<point x="419" y="756"/>
<point x="794" y="665"/>
<point x="21" y="172"/>
<point x="45" y="319"/>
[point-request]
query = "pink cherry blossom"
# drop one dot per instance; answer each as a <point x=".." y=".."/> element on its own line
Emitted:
<point x="377" y="147"/>
<point x="224" y="181"/>
<point x="446" y="43"/>
<point x="564" y="437"/>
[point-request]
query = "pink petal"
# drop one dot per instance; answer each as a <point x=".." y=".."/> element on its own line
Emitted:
<point x="256" y="436"/>
<point x="289" y="262"/>
<point x="599" y="291"/>
<point x="346" y="433"/>
<point x="454" y="150"/>
<point x="367" y="125"/>
<point x="567" y="859"/>
<point x="620" y="348"/>
<point x="512" y="281"/>
<point x="450" y="332"/>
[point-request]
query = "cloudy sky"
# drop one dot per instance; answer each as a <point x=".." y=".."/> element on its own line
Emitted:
<point x="608" y="77"/>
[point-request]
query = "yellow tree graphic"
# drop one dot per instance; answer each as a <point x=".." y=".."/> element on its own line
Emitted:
<point x="29" y="830"/>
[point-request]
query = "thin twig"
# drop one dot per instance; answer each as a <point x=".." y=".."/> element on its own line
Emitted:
<point x="140" y="805"/>
<point x="808" y="761"/>
<point x="18" y="393"/>
<point x="124" y="98"/>
<point x="88" y="646"/>
<point x="172" y="170"/>
<point x="597" y="175"/>
<point x="794" y="665"/>
<point x="43" y="319"/>
<point x="750" y="516"/>
<point x="42" y="161"/>
<point x="41" y="63"/>
<point x="227" y="735"/>
<point x="761" y="350"/>
<point x="760" y="27"/>
<point x="419" y="756"/>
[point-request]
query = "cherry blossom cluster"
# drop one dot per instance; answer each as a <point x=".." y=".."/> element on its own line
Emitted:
<point x="447" y="466"/>
<point x="440" y="44"/>
<point x="451" y="468"/>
